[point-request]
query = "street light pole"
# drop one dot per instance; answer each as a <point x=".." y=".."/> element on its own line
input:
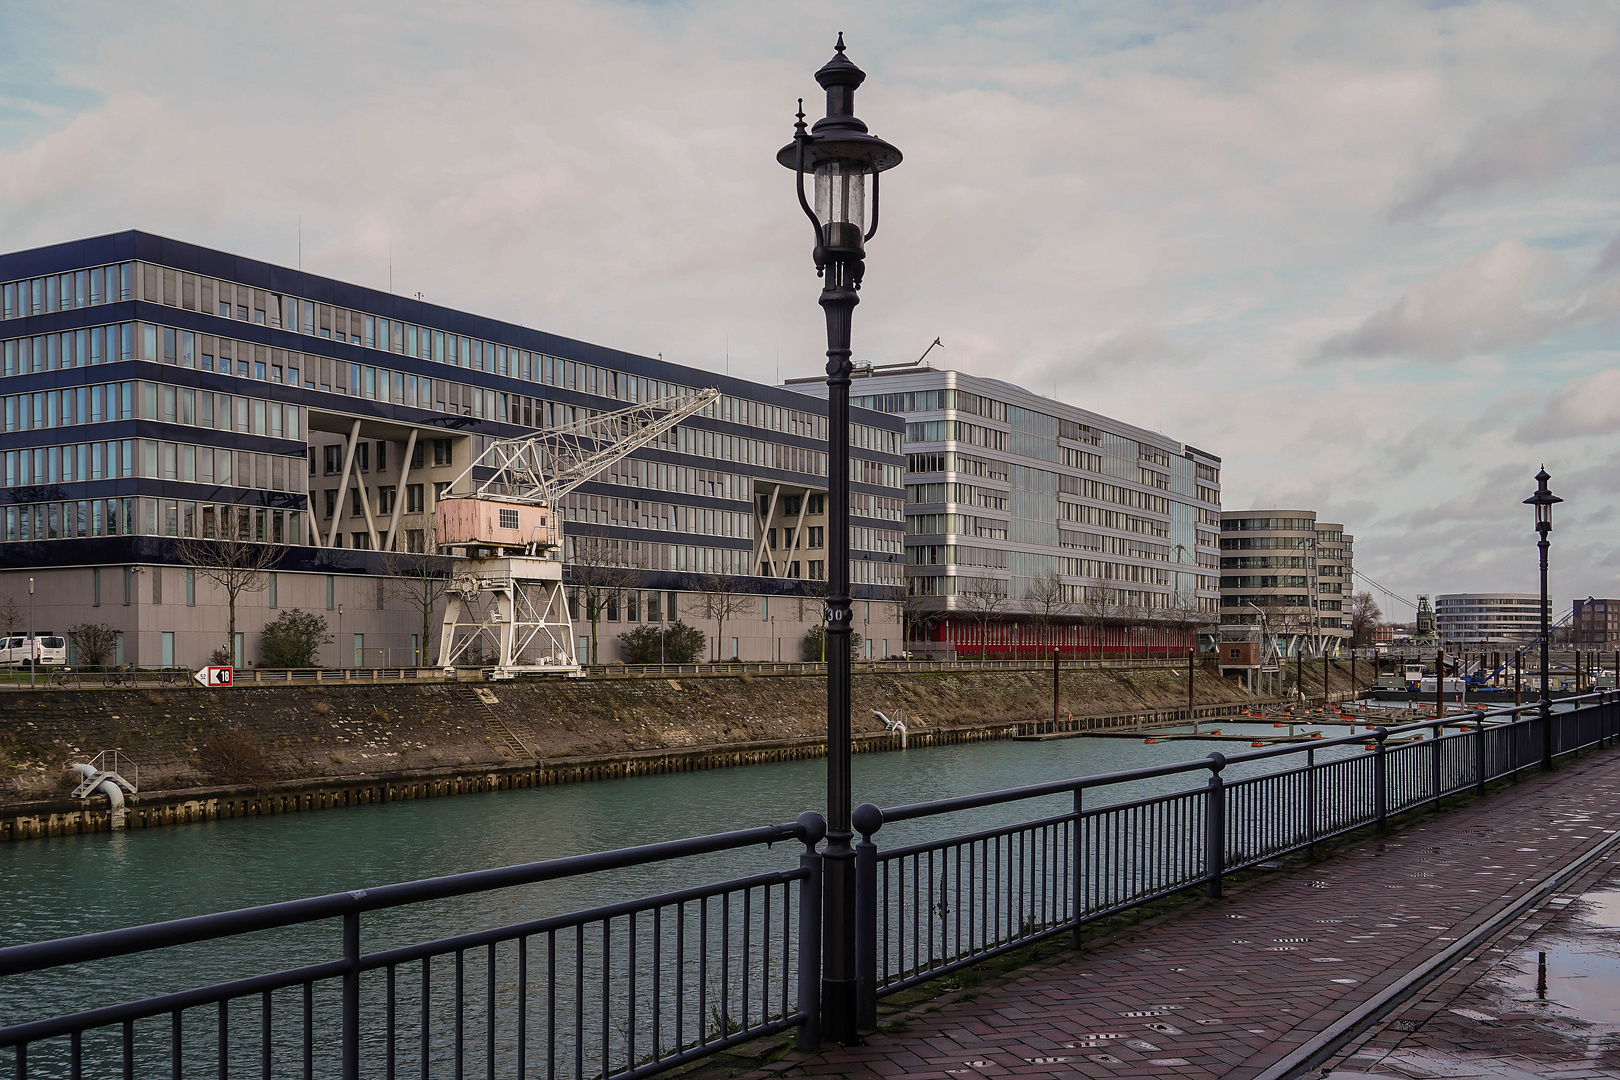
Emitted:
<point x="840" y="154"/>
<point x="1543" y="501"/>
<point x="33" y="635"/>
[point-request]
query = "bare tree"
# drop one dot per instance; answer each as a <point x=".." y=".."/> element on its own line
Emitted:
<point x="96" y="642"/>
<point x="983" y="599"/>
<point x="235" y="563"/>
<point x="419" y="580"/>
<point x="602" y="571"/>
<point x="1099" y="610"/>
<point x="723" y="597"/>
<point x="1185" y="614"/>
<point x="1364" y="613"/>
<point x="1049" y="604"/>
<point x="11" y="614"/>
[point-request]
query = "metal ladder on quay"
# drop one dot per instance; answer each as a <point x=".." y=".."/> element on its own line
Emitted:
<point x="476" y="699"/>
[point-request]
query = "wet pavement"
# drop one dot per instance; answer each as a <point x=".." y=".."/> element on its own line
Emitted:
<point x="1541" y="1000"/>
<point x="1232" y="988"/>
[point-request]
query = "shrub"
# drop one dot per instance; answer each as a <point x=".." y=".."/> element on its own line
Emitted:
<point x="220" y="657"/>
<point x="97" y="643"/>
<point x="294" y="639"/>
<point x="680" y="644"/>
<point x="234" y="757"/>
<point x="812" y="644"/>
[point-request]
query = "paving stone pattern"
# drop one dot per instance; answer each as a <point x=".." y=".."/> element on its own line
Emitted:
<point x="1488" y="1018"/>
<point x="1230" y="988"/>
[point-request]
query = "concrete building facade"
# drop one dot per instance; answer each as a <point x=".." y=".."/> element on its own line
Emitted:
<point x="154" y="391"/>
<point x="1032" y="524"/>
<point x="1287" y="579"/>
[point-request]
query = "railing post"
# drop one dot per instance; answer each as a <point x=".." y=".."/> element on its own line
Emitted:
<point x="867" y="819"/>
<point x="1310" y="801"/>
<point x="1076" y="861"/>
<point x="1479" y="756"/>
<point x="1434" y="761"/>
<point x="1380" y="779"/>
<point x="351" y="995"/>
<point x="814" y="827"/>
<point x="1215" y="827"/>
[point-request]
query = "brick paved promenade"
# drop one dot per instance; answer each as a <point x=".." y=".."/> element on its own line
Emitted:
<point x="1230" y="988"/>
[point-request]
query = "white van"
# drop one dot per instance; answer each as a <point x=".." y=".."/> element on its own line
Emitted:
<point x="47" y="650"/>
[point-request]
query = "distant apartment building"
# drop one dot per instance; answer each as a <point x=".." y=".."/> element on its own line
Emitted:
<point x="1032" y="524"/>
<point x="1597" y="623"/>
<point x="1463" y="619"/>
<point x="1286" y="577"/>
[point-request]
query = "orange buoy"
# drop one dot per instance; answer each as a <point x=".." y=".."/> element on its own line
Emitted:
<point x="1150" y="740"/>
<point x="1316" y="734"/>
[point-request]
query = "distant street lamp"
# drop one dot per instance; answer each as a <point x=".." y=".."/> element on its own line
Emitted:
<point x="839" y="153"/>
<point x="1543" y="501"/>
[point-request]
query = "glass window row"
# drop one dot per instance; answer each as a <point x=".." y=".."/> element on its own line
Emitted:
<point x="64" y="292"/>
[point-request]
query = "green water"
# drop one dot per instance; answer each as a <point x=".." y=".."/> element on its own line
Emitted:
<point x="77" y="884"/>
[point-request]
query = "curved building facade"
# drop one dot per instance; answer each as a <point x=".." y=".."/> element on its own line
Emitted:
<point x="1486" y="618"/>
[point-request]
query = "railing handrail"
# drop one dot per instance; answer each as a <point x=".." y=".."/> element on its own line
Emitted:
<point x="808" y="828"/>
<point x="868" y="818"/>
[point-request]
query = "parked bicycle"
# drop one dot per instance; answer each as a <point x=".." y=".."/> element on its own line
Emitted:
<point x="63" y="678"/>
<point x="118" y="676"/>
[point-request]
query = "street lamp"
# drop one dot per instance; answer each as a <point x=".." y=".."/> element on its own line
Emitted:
<point x="1543" y="501"/>
<point x="839" y="153"/>
<point x="33" y="635"/>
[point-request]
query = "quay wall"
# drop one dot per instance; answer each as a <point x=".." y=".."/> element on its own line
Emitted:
<point x="208" y="754"/>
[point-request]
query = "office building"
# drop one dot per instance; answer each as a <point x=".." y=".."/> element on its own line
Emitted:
<point x="1287" y="578"/>
<point x="1032" y="524"/>
<point x="1469" y="619"/>
<point x="154" y="390"/>
<point x="1597" y="623"/>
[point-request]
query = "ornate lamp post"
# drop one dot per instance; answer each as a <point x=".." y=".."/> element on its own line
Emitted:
<point x="839" y="153"/>
<point x="1543" y="501"/>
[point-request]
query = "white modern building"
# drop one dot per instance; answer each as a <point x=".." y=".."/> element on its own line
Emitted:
<point x="1034" y="525"/>
<point x="1487" y="618"/>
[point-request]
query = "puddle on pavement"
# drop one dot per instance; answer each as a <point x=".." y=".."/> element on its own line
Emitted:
<point x="1576" y="965"/>
<point x="1580" y="978"/>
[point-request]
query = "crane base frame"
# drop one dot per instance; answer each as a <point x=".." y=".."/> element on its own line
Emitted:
<point x="511" y="604"/>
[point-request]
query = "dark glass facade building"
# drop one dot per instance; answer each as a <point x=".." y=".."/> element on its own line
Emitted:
<point x="154" y="390"/>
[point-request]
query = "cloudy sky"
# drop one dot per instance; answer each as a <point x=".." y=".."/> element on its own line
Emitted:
<point x="1368" y="252"/>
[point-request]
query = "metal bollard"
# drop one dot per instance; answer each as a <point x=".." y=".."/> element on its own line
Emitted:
<point x="809" y="1034"/>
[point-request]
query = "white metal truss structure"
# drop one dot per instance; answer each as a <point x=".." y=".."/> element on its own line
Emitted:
<point x="514" y="605"/>
<point x="540" y="470"/>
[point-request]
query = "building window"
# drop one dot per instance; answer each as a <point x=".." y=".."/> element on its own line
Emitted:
<point x="413" y="498"/>
<point x="331" y="501"/>
<point x="414" y="541"/>
<point x="439" y="489"/>
<point x="362" y="541"/>
<point x="441" y="452"/>
<point x="95" y="586"/>
<point x="157" y="585"/>
<point x="385" y="499"/>
<point x="333" y="459"/>
<point x="271" y="589"/>
<point x="509" y="518"/>
<point x="331" y="588"/>
<point x="191" y="588"/>
<point x="382" y="456"/>
<point x="355" y="509"/>
<point x="817" y="504"/>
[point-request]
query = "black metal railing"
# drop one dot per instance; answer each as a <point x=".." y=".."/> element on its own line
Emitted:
<point x="635" y="987"/>
<point x="623" y="990"/>
<point x="928" y="908"/>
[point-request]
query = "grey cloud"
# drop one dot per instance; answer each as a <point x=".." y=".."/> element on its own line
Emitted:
<point x="1496" y="300"/>
<point x="1578" y="125"/>
<point x="1589" y="406"/>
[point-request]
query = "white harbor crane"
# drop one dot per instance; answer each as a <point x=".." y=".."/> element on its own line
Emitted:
<point x="500" y="519"/>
